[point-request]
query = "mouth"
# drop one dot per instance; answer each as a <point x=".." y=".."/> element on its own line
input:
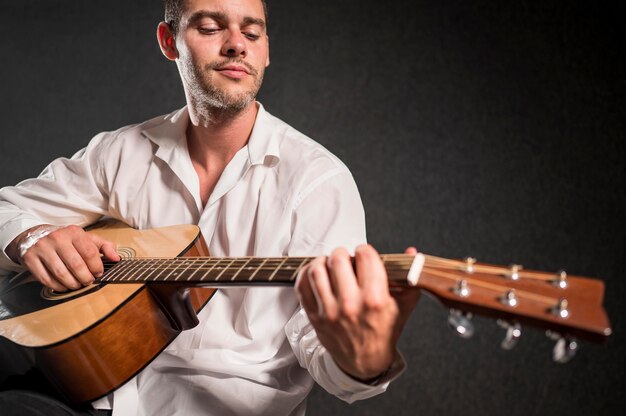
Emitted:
<point x="233" y="71"/>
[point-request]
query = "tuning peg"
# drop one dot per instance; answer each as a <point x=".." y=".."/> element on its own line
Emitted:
<point x="469" y="265"/>
<point x="461" y="323"/>
<point x="565" y="347"/>
<point x="513" y="334"/>
<point x="560" y="280"/>
<point x="514" y="271"/>
<point x="561" y="308"/>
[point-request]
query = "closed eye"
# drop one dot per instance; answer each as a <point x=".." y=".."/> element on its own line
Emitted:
<point x="251" y="36"/>
<point x="208" y="30"/>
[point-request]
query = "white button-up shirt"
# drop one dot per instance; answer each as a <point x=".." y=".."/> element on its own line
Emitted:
<point x="254" y="351"/>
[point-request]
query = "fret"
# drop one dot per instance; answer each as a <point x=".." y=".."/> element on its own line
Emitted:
<point x="241" y="268"/>
<point x="124" y="269"/>
<point x="208" y="272"/>
<point x="251" y="269"/>
<point x="135" y="272"/>
<point x="269" y="268"/>
<point x="197" y="269"/>
<point x="217" y="267"/>
<point x="155" y="266"/>
<point x="114" y="272"/>
<point x="231" y="269"/>
<point x="189" y="264"/>
<point x="170" y="264"/>
<point x="398" y="267"/>
<point x="276" y="269"/>
<point x="257" y="269"/>
<point x="224" y="269"/>
<point x="288" y="271"/>
<point x="303" y="263"/>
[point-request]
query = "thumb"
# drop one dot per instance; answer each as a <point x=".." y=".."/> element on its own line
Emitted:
<point x="411" y="250"/>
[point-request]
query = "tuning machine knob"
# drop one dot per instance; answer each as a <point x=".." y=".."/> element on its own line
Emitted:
<point x="560" y="280"/>
<point x="513" y="334"/>
<point x="469" y="265"/>
<point x="461" y="323"/>
<point x="561" y="309"/>
<point x="565" y="348"/>
<point x="514" y="271"/>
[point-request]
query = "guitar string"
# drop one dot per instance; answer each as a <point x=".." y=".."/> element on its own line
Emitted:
<point x="403" y="263"/>
<point x="244" y="263"/>
<point x="495" y="287"/>
<point x="395" y="263"/>
<point x="489" y="269"/>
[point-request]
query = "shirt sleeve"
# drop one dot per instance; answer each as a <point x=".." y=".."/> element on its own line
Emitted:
<point x="329" y="215"/>
<point x="68" y="191"/>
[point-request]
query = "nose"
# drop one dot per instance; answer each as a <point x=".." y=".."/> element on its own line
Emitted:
<point x="234" y="44"/>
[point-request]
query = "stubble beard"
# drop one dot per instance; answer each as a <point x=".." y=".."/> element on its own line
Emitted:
<point x="211" y="102"/>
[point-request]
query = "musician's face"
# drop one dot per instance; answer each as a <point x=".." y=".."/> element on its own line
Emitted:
<point x="223" y="50"/>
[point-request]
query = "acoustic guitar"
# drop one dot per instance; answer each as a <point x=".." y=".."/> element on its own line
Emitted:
<point x="90" y="341"/>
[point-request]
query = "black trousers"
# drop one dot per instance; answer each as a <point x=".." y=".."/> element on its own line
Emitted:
<point x="32" y="403"/>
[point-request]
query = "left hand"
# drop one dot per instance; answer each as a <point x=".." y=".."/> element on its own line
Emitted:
<point x="355" y="316"/>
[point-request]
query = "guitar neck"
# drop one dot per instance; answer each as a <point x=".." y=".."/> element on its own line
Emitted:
<point x="555" y="301"/>
<point x="234" y="271"/>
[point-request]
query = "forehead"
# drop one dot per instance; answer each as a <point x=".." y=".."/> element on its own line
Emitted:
<point x="232" y="9"/>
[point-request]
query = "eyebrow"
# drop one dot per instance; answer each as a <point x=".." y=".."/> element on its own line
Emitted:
<point x="201" y="14"/>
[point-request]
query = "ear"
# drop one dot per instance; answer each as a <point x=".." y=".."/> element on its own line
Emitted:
<point x="167" y="43"/>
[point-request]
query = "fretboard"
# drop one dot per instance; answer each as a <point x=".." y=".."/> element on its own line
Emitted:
<point x="227" y="271"/>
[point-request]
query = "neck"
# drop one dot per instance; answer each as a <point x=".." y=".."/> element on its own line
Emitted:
<point x="218" y="133"/>
<point x="238" y="271"/>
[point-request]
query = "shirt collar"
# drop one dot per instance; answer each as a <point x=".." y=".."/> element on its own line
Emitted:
<point x="262" y="147"/>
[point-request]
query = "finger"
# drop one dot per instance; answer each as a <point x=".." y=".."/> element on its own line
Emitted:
<point x="371" y="272"/>
<point x="342" y="277"/>
<point x="90" y="256"/>
<point x="58" y="270"/>
<point x="39" y="272"/>
<point x="77" y="265"/>
<point x="411" y="250"/>
<point x="305" y="293"/>
<point x="106" y="247"/>
<point x="322" y="289"/>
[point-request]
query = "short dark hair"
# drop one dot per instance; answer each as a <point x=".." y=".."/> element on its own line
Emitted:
<point x="174" y="10"/>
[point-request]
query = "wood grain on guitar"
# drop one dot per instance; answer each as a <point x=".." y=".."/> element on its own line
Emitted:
<point x="91" y="341"/>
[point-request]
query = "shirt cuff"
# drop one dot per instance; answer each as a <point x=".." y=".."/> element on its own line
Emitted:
<point x="380" y="384"/>
<point x="8" y="232"/>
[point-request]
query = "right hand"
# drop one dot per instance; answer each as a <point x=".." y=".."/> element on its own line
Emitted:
<point x="67" y="258"/>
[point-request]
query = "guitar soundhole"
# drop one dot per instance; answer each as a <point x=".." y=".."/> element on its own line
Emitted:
<point x="52" y="295"/>
<point x="126" y="252"/>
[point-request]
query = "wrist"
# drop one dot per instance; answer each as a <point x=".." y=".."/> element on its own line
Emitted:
<point x="28" y="239"/>
<point x="372" y="380"/>
<point x="371" y="376"/>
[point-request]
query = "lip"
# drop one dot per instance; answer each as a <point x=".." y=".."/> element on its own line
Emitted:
<point x="234" y="71"/>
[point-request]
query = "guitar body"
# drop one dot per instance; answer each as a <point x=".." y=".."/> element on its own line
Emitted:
<point x="70" y="337"/>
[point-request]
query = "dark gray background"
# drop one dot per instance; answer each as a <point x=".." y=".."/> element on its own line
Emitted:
<point x="485" y="128"/>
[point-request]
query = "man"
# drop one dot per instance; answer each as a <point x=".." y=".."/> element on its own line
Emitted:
<point x="255" y="186"/>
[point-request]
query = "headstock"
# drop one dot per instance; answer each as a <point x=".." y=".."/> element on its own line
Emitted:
<point x="565" y="306"/>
